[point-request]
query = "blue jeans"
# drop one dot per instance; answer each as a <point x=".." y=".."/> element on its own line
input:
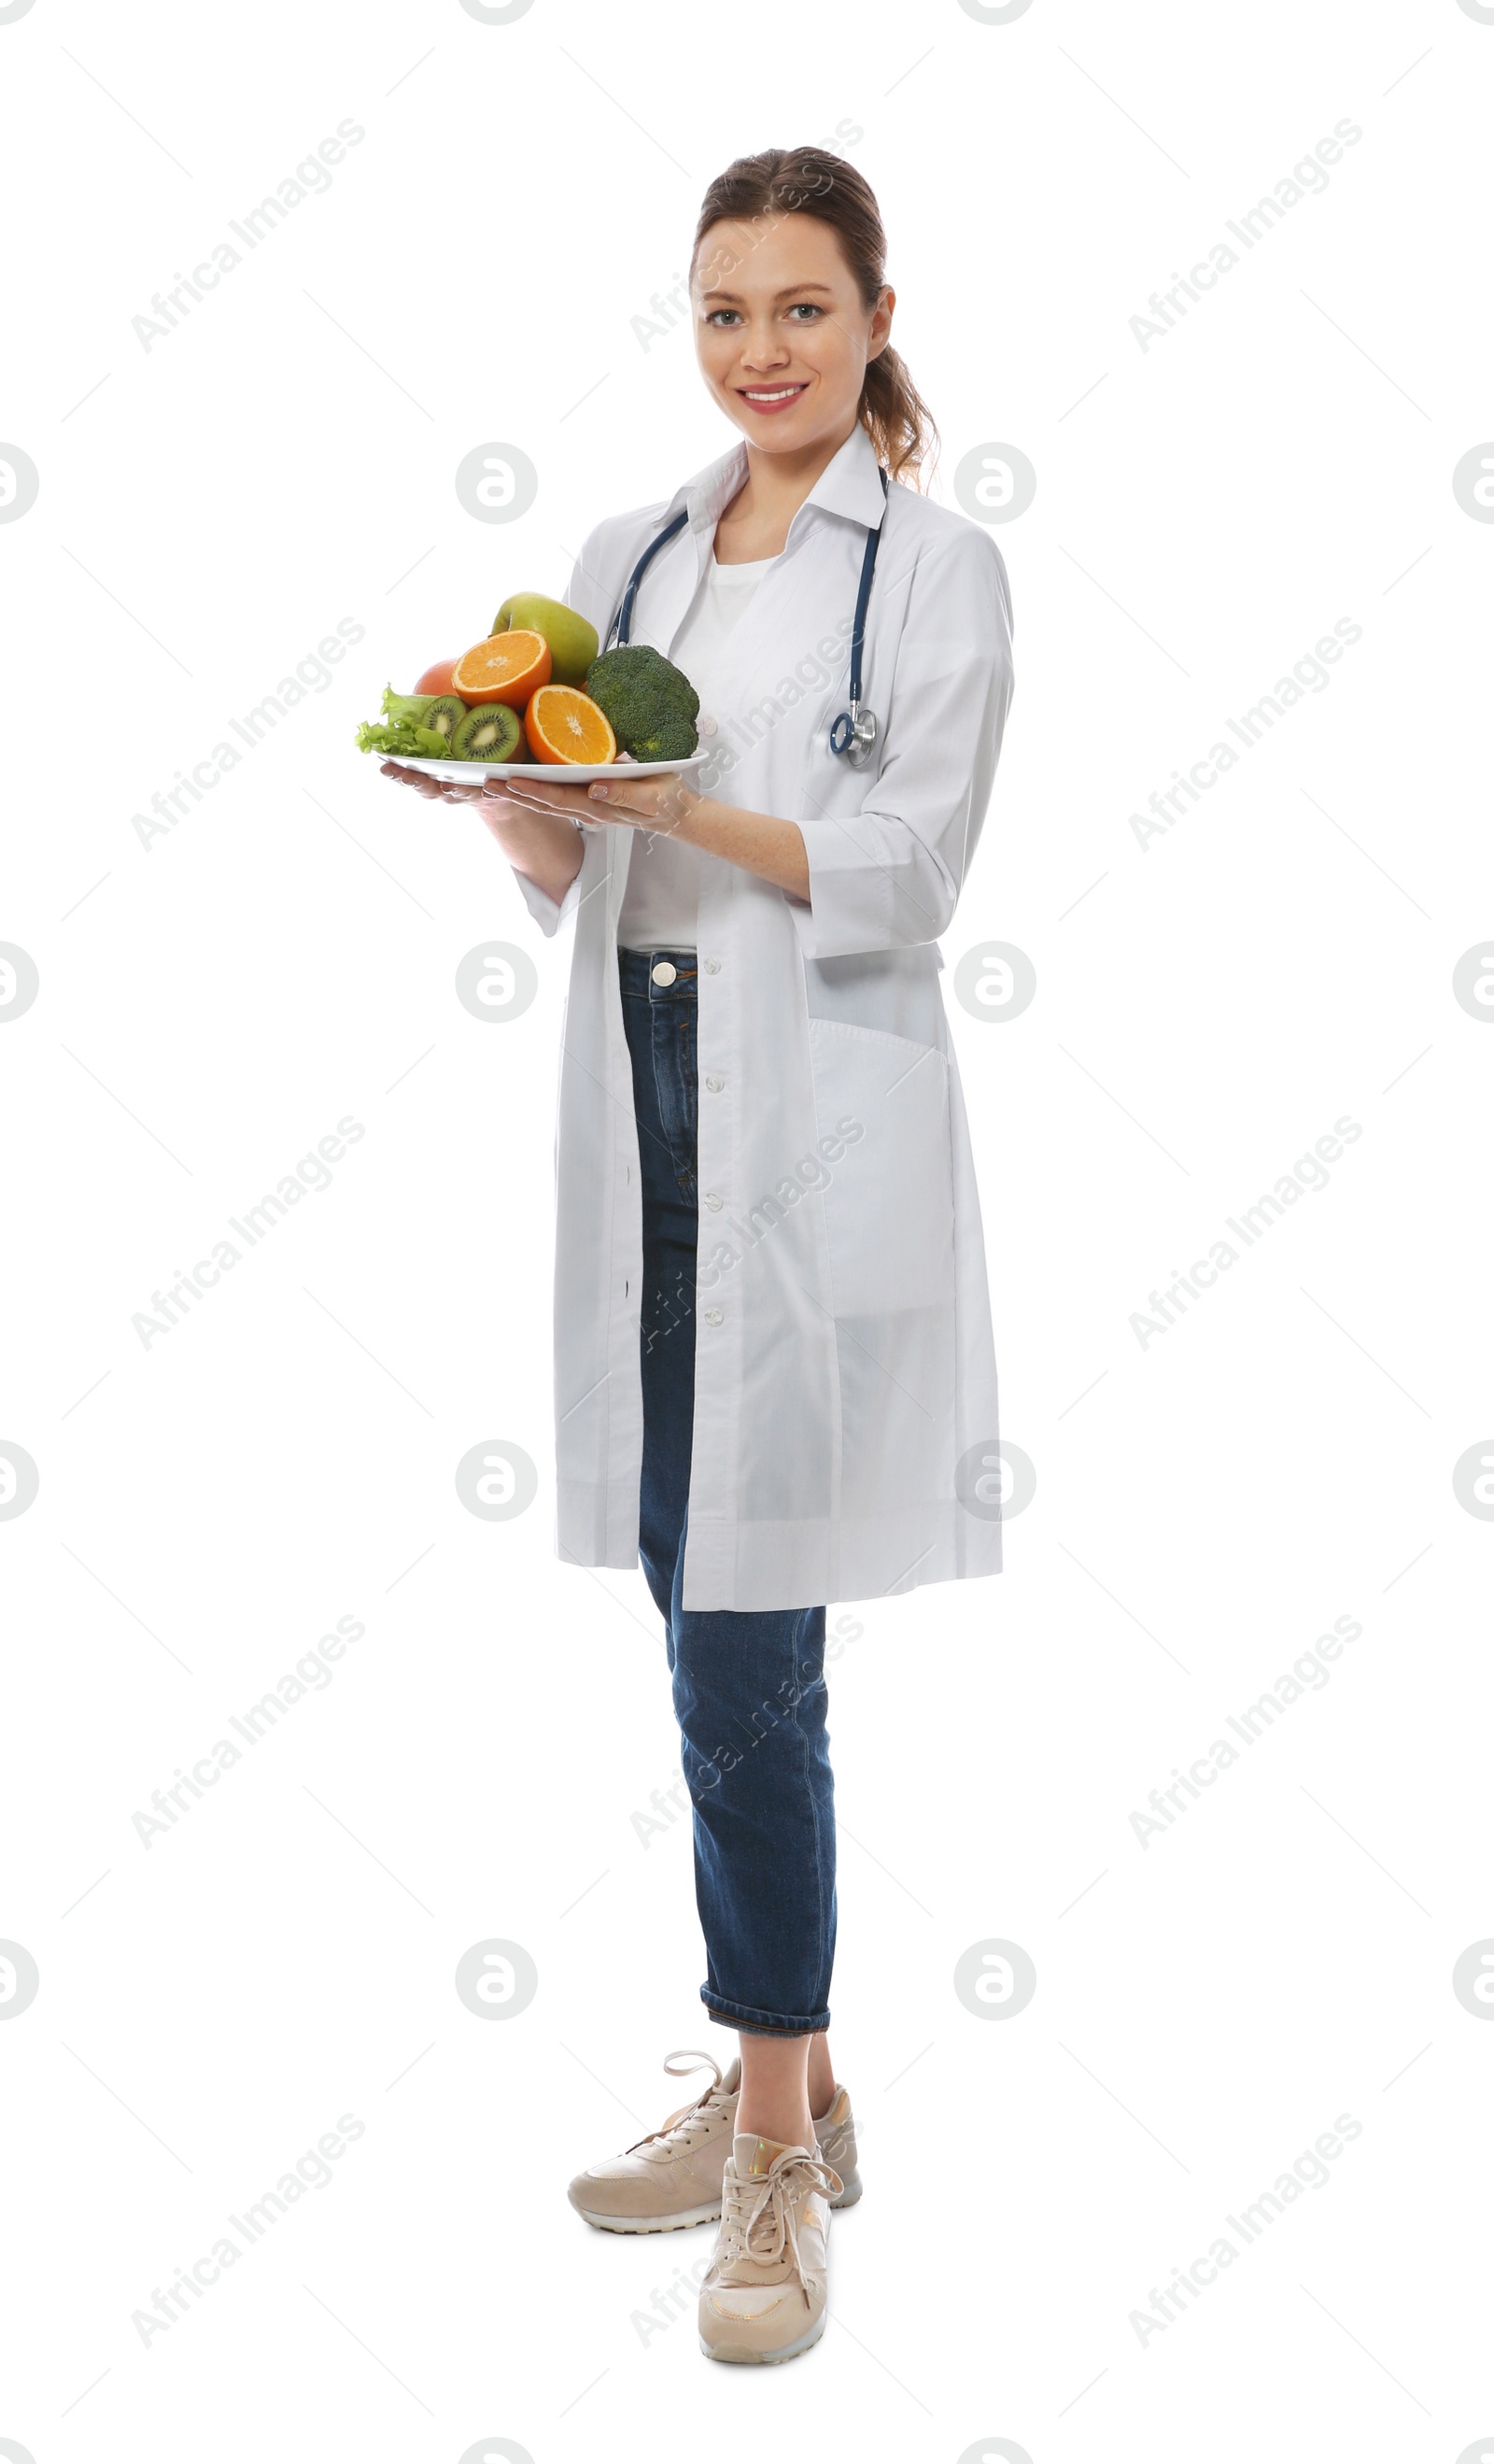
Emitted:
<point x="749" y="1688"/>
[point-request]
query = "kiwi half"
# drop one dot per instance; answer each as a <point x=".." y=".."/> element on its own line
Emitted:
<point x="489" y="733"/>
<point x="445" y="713"/>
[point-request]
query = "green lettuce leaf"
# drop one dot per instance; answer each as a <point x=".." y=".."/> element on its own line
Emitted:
<point x="397" y="706"/>
<point x="403" y="736"/>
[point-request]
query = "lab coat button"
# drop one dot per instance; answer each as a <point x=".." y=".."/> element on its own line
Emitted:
<point x="664" y="973"/>
<point x="712" y="966"/>
<point x="705" y="726"/>
<point x="714" y="1085"/>
<point x="713" y="1317"/>
<point x="713" y="1201"/>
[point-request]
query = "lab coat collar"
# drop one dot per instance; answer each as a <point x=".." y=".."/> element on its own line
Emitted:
<point x="848" y="485"/>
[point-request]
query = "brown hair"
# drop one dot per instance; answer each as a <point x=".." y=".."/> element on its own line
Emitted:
<point x="804" y="179"/>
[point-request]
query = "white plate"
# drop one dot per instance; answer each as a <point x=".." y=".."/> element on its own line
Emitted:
<point x="561" y="774"/>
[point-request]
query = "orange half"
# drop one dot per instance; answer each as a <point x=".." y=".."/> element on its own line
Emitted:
<point x="506" y="666"/>
<point x="563" y="724"/>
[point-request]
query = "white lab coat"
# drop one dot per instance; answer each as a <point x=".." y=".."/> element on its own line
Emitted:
<point x="843" y="1357"/>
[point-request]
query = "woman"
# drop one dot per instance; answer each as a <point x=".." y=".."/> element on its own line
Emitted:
<point x="759" y="1106"/>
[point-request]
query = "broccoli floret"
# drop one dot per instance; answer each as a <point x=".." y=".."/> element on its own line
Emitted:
<point x="651" y="705"/>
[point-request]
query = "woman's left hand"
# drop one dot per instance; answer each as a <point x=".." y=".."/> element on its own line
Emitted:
<point x="660" y="803"/>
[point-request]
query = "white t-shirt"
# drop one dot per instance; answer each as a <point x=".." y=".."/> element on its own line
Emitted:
<point x="659" y="905"/>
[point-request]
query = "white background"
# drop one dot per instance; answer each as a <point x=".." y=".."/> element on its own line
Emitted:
<point x="1208" y="1506"/>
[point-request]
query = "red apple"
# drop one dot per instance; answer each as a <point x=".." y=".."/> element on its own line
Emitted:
<point x="438" y="679"/>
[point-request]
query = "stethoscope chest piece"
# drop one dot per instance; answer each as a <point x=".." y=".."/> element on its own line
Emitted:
<point x="854" y="733"/>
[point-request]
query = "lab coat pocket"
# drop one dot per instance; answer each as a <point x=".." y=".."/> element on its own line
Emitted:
<point x="882" y="1103"/>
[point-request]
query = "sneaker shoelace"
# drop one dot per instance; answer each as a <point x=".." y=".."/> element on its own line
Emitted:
<point x="681" y="2129"/>
<point x="759" y="2213"/>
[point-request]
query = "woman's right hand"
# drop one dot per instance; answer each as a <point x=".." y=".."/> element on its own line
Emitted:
<point x="498" y="809"/>
<point x="442" y="791"/>
<point x="545" y="846"/>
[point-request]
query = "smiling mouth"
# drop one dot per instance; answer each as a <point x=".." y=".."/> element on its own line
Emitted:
<point x="770" y="393"/>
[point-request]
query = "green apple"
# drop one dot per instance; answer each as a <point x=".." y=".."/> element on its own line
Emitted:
<point x="573" y="642"/>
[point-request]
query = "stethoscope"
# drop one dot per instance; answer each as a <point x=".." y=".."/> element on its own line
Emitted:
<point x="854" y="732"/>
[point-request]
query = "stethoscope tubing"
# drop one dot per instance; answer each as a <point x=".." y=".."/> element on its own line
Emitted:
<point x="854" y="732"/>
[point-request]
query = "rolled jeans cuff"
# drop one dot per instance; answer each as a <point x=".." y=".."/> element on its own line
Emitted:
<point x="762" y="2023"/>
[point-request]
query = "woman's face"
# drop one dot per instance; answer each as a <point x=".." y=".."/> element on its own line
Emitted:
<point x="780" y="333"/>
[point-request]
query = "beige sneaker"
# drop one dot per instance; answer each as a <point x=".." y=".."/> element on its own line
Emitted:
<point x="673" y="2177"/>
<point x="765" y="2296"/>
<point x="836" y="2133"/>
